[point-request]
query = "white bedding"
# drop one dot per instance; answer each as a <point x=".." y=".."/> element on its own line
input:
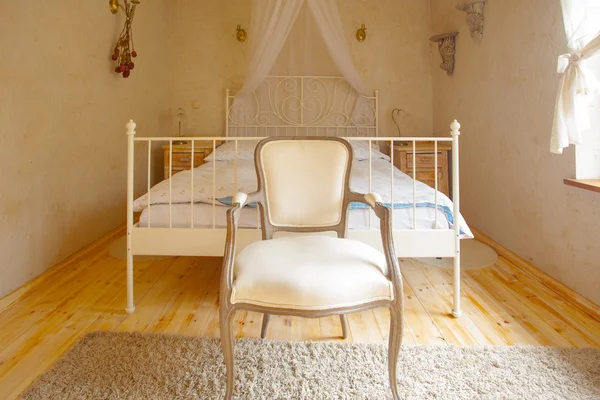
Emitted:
<point x="202" y="189"/>
<point x="358" y="219"/>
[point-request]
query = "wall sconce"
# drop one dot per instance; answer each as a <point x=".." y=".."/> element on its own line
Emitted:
<point x="240" y="34"/>
<point x="361" y="33"/>
<point x="474" y="18"/>
<point x="113" y="5"/>
<point x="180" y="117"/>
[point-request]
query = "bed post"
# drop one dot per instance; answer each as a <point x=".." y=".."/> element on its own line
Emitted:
<point x="226" y="112"/>
<point x="454" y="131"/>
<point x="377" y="115"/>
<point x="130" y="135"/>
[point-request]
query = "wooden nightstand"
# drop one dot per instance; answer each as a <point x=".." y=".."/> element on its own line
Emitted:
<point x="182" y="155"/>
<point x="425" y="163"/>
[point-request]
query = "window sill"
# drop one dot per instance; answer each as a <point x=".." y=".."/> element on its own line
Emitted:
<point x="586" y="184"/>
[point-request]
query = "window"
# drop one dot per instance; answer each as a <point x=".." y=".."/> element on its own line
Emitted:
<point x="587" y="155"/>
<point x="582" y="28"/>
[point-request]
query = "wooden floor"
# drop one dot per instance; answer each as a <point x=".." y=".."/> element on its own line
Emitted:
<point x="502" y="305"/>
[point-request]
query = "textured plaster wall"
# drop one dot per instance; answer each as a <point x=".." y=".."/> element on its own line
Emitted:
<point x="503" y="92"/>
<point x="62" y="110"/>
<point x="395" y="59"/>
<point x="62" y="117"/>
<point x="62" y="113"/>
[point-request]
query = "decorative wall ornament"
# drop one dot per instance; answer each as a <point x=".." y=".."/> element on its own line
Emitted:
<point x="124" y="50"/>
<point x="474" y="18"/>
<point x="447" y="46"/>
<point x="240" y="34"/>
<point x="361" y="33"/>
<point x="396" y="113"/>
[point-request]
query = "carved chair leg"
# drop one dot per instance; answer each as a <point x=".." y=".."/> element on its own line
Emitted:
<point x="344" y="321"/>
<point x="265" y="325"/>
<point x="225" y="318"/>
<point x="395" y="340"/>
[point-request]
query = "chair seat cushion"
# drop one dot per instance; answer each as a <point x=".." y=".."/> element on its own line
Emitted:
<point x="310" y="272"/>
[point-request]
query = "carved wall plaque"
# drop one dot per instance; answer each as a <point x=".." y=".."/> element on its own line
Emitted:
<point x="447" y="46"/>
<point x="474" y="18"/>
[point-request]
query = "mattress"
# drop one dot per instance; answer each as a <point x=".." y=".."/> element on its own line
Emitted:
<point x="229" y="176"/>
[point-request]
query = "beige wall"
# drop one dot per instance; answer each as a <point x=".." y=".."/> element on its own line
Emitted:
<point x="62" y="110"/>
<point x="62" y="116"/>
<point x="62" y="113"/>
<point x="395" y="59"/>
<point x="503" y="93"/>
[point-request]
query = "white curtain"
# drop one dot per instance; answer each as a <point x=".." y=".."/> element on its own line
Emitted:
<point x="328" y="21"/>
<point x="571" y="116"/>
<point x="272" y="21"/>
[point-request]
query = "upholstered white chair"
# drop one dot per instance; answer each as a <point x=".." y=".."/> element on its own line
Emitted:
<point x="303" y="186"/>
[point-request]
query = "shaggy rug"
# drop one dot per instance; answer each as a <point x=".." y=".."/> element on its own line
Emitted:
<point x="150" y="366"/>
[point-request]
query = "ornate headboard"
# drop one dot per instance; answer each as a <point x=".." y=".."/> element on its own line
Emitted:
<point x="302" y="106"/>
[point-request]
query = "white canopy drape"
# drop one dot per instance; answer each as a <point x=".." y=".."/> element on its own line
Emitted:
<point x="328" y="21"/>
<point x="571" y="116"/>
<point x="272" y="21"/>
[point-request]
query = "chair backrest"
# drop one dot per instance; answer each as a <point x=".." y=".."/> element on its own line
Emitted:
<point x="304" y="183"/>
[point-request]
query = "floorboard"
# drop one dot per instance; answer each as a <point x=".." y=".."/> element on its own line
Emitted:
<point x="502" y="305"/>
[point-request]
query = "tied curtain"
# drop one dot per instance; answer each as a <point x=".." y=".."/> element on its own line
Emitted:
<point x="578" y="82"/>
<point x="271" y="24"/>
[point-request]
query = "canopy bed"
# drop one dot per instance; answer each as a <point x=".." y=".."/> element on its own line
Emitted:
<point x="185" y="215"/>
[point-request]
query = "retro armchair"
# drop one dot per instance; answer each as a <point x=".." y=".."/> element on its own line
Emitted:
<point x="304" y="186"/>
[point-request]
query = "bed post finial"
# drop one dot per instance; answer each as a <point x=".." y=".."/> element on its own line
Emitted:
<point x="130" y="127"/>
<point x="454" y="128"/>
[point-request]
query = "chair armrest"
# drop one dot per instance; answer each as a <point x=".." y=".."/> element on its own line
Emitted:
<point x="240" y="198"/>
<point x="233" y="215"/>
<point x="384" y="214"/>
<point x="372" y="199"/>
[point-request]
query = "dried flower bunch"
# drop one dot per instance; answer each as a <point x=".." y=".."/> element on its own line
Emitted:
<point x="124" y="50"/>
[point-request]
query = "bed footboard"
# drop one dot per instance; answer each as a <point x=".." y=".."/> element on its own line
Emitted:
<point x="209" y="241"/>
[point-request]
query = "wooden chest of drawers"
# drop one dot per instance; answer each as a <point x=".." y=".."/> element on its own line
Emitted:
<point x="182" y="156"/>
<point x="424" y="160"/>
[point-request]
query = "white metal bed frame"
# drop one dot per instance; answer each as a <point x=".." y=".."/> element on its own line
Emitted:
<point x="293" y="106"/>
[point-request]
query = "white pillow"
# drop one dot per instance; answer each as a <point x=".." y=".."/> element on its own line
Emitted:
<point x="245" y="151"/>
<point x="361" y="151"/>
<point x="226" y="152"/>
